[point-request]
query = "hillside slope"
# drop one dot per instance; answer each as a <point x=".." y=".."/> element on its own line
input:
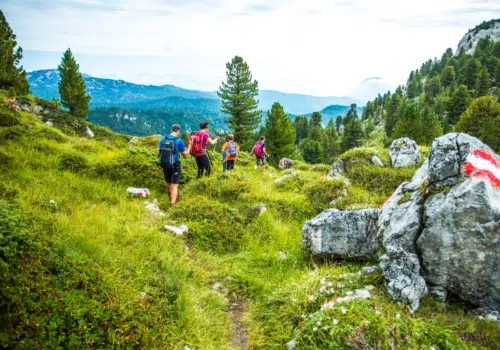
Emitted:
<point x="83" y="265"/>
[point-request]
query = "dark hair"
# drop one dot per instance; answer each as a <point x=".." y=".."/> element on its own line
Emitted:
<point x="176" y="127"/>
<point x="203" y="125"/>
<point x="262" y="138"/>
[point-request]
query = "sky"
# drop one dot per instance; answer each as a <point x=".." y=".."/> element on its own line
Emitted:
<point x="316" y="47"/>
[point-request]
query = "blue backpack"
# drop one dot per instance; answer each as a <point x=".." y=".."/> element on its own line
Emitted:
<point x="168" y="152"/>
<point x="232" y="149"/>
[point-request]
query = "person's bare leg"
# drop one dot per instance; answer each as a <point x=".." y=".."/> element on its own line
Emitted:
<point x="174" y="191"/>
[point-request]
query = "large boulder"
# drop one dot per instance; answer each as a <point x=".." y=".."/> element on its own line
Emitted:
<point x="443" y="227"/>
<point x="342" y="234"/>
<point x="404" y="152"/>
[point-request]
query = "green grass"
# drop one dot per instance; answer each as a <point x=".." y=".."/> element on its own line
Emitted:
<point x="96" y="271"/>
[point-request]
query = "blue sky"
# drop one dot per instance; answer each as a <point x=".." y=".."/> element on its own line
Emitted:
<point x="315" y="47"/>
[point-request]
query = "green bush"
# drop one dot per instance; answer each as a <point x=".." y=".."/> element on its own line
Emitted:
<point x="5" y="159"/>
<point x="73" y="162"/>
<point x="8" y="117"/>
<point x="13" y="133"/>
<point x="321" y="192"/>
<point x="50" y="134"/>
<point x="321" y="168"/>
<point x="213" y="226"/>
<point x="358" y="155"/>
<point x="379" y="180"/>
<point x="224" y="187"/>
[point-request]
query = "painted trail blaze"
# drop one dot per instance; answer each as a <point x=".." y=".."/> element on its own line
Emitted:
<point x="482" y="163"/>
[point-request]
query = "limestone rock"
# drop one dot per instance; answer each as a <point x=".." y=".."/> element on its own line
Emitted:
<point x="402" y="271"/>
<point x="338" y="169"/>
<point x="285" y="163"/>
<point x="357" y="294"/>
<point x="88" y="132"/>
<point x="376" y="161"/>
<point x="404" y="152"/>
<point x="178" y="230"/>
<point x="342" y="234"/>
<point x="368" y="270"/>
<point x="286" y="177"/>
<point x="49" y="123"/>
<point x="471" y="39"/>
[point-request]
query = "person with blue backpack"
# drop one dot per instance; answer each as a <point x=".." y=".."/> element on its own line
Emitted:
<point x="231" y="150"/>
<point x="170" y="149"/>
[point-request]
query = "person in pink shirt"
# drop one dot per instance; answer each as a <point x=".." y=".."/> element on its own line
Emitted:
<point x="200" y="140"/>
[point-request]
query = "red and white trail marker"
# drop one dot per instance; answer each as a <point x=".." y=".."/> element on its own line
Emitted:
<point x="483" y="164"/>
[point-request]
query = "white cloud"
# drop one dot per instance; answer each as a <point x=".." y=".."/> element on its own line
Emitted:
<point x="319" y="47"/>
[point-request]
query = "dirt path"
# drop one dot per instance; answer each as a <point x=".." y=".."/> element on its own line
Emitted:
<point x="236" y="311"/>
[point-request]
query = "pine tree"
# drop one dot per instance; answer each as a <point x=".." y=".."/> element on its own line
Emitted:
<point x="353" y="135"/>
<point x="301" y="128"/>
<point x="409" y="124"/>
<point x="351" y="114"/>
<point x="458" y="104"/>
<point x="393" y="112"/>
<point x="413" y="88"/>
<point x="470" y="72"/>
<point x="339" y="121"/>
<point x="316" y="120"/>
<point x="238" y="96"/>
<point x="431" y="127"/>
<point x="482" y="120"/>
<point x="312" y="151"/>
<point x="497" y="75"/>
<point x="369" y="127"/>
<point x="280" y="134"/>
<point x="331" y="123"/>
<point x="315" y="133"/>
<point x="448" y="76"/>
<point x="72" y="87"/>
<point x="331" y="145"/>
<point x="483" y="83"/>
<point x="432" y="89"/>
<point x="12" y="74"/>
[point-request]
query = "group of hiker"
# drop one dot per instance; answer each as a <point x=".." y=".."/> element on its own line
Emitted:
<point x="171" y="147"/>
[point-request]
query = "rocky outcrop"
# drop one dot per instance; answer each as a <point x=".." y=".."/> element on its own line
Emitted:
<point x="338" y="170"/>
<point x="441" y="231"/>
<point x="471" y="39"/>
<point x="404" y="152"/>
<point x="285" y="163"/>
<point x="339" y="234"/>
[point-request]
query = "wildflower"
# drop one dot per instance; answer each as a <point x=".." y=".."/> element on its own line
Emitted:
<point x="343" y="310"/>
<point x="335" y="322"/>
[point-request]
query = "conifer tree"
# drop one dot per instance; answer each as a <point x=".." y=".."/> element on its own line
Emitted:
<point x="238" y="96"/>
<point x="301" y="128"/>
<point x="72" y="87"/>
<point x="351" y="114"/>
<point x="339" y="122"/>
<point x="312" y="151"/>
<point x="458" y="104"/>
<point x="431" y="127"/>
<point x="432" y="88"/>
<point x="353" y="135"/>
<point x="316" y="120"/>
<point x="393" y="112"/>
<point x="483" y="83"/>
<point x="413" y="88"/>
<point x="315" y="133"/>
<point x="409" y="124"/>
<point x="482" y="120"/>
<point x="470" y="72"/>
<point x="331" y="145"/>
<point x="12" y="74"/>
<point x="331" y="123"/>
<point x="448" y="76"/>
<point x="497" y="75"/>
<point x="280" y="134"/>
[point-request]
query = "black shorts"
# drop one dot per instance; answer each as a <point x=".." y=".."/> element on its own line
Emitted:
<point x="229" y="164"/>
<point x="173" y="175"/>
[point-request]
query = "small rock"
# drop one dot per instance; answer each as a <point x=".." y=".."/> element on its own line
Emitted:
<point x="218" y="287"/>
<point x="153" y="208"/>
<point x="49" y="123"/>
<point x="88" y="132"/>
<point x="262" y="209"/>
<point x="368" y="270"/>
<point x="25" y="107"/>
<point x="338" y="170"/>
<point x="376" y="161"/>
<point x="38" y="109"/>
<point x="134" y="141"/>
<point x="286" y="177"/>
<point x="357" y="294"/>
<point x="179" y="231"/>
<point x="282" y="255"/>
<point x="439" y="292"/>
<point x="292" y="344"/>
<point x="285" y="163"/>
<point x="143" y="295"/>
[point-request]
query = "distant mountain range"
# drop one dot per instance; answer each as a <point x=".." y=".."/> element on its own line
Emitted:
<point x="154" y="107"/>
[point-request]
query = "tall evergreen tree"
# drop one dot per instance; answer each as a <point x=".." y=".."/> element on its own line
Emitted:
<point x="448" y="76"/>
<point x="432" y="88"/>
<point x="315" y="133"/>
<point x="353" y="134"/>
<point x="470" y="72"/>
<point x="351" y="114"/>
<point x="497" y="75"/>
<point x="12" y="74"/>
<point x="72" y="87"/>
<point x="330" y="143"/>
<point x="458" y="104"/>
<point x="483" y="82"/>
<point x="431" y="127"/>
<point x="393" y="112"/>
<point x="312" y="151"/>
<point x="339" y="121"/>
<point x="280" y="134"/>
<point x="410" y="124"/>
<point x="239" y="99"/>
<point x="413" y="89"/>
<point x="301" y="128"/>
<point x="316" y="120"/>
<point x="482" y="120"/>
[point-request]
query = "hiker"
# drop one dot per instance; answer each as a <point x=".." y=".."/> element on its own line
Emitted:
<point x="199" y="149"/>
<point x="259" y="150"/>
<point x="231" y="149"/>
<point x="170" y="149"/>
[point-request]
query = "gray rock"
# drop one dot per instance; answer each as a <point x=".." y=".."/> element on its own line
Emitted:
<point x="342" y="234"/>
<point x="88" y="132"/>
<point x="401" y="271"/>
<point x="472" y="38"/>
<point x="486" y="313"/>
<point x="460" y="244"/>
<point x="134" y="141"/>
<point x="220" y="288"/>
<point x="285" y="163"/>
<point x="49" y="123"/>
<point x="368" y="270"/>
<point x="38" y="109"/>
<point x="376" y="161"/>
<point x="404" y="152"/>
<point x="262" y="209"/>
<point x="286" y="177"/>
<point x="178" y="230"/>
<point x="25" y="107"/>
<point x="338" y="169"/>
<point x="439" y="292"/>
<point x="292" y="344"/>
<point x="419" y="179"/>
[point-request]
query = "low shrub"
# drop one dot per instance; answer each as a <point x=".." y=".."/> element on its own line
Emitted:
<point x="321" y="168"/>
<point x="225" y="187"/>
<point x="50" y="134"/>
<point x="8" y="117"/>
<point x="5" y="159"/>
<point x="320" y="193"/>
<point x="73" y="162"/>
<point x="379" y="180"/>
<point x="358" y="155"/>
<point x="13" y="133"/>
